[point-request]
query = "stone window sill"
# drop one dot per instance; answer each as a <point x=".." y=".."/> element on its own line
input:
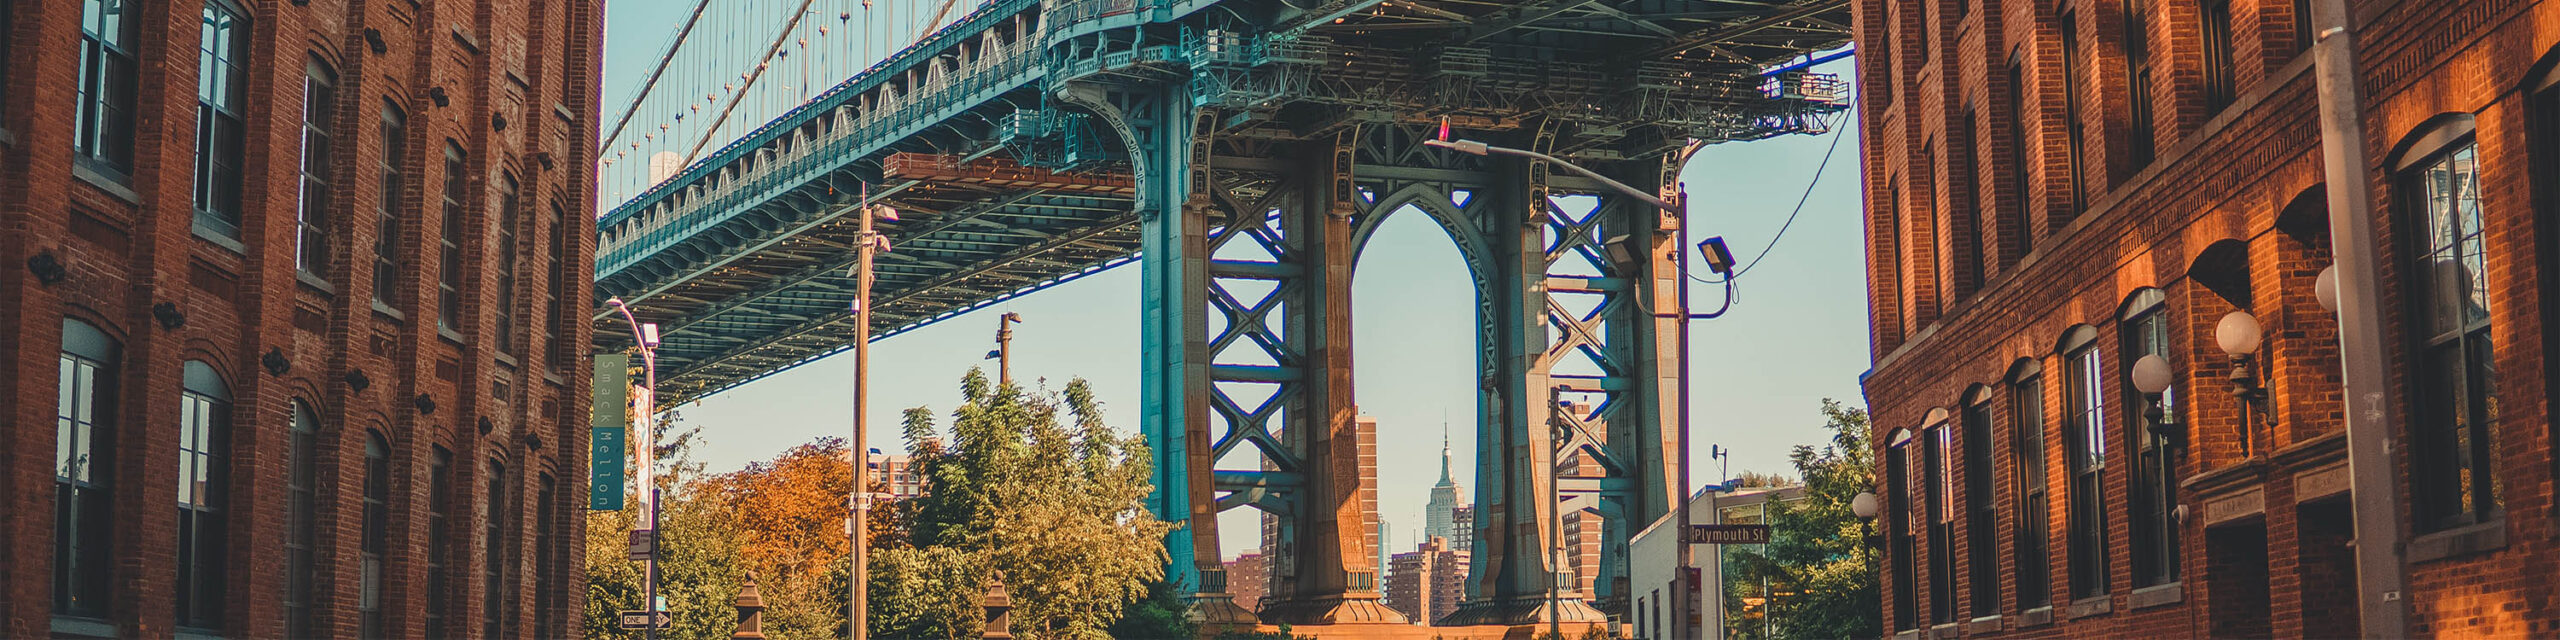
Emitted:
<point x="2455" y="543"/>
<point x="2036" y="617"/>
<point x="314" y="281"/>
<point x="2159" y="595"/>
<point x="219" y="240"/>
<point x="66" y="626"/>
<point x="2086" y="607"/>
<point x="386" y="311"/>
<point x="1946" y="631"/>
<point x="1982" y="626"/>
<point x="108" y="180"/>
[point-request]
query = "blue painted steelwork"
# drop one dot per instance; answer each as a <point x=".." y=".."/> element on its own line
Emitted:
<point x="1033" y="143"/>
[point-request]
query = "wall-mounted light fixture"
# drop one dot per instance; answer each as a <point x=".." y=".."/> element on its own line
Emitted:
<point x="2152" y="376"/>
<point x="2240" y="337"/>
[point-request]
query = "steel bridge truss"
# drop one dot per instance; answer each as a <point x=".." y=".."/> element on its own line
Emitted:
<point x="1243" y="152"/>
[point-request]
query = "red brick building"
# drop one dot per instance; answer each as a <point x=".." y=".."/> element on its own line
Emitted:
<point x="2056" y="188"/>
<point x="312" y="274"/>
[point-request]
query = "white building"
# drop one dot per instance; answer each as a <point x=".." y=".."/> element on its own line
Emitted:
<point x="1656" y="611"/>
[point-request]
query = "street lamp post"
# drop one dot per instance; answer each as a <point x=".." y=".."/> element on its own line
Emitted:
<point x="1722" y="264"/>
<point x="858" y="572"/>
<point x="646" y="335"/>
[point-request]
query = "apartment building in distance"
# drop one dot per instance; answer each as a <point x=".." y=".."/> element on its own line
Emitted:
<point x="294" y="309"/>
<point x="2057" y="190"/>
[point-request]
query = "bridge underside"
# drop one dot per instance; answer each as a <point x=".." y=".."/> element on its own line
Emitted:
<point x="1243" y="151"/>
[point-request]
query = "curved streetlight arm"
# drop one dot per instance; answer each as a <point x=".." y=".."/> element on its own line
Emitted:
<point x="1479" y="148"/>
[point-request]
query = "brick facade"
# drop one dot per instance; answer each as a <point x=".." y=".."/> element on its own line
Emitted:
<point x="514" y="86"/>
<point x="1982" y="261"/>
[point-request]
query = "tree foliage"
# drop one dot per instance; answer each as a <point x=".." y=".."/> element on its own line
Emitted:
<point x="1034" y="485"/>
<point x="1822" y="576"/>
<point x="698" y="564"/>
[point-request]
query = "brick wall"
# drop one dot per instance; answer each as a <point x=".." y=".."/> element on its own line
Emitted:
<point x="128" y="244"/>
<point x="2231" y="195"/>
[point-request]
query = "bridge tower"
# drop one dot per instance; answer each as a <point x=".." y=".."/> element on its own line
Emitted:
<point x="1243" y="152"/>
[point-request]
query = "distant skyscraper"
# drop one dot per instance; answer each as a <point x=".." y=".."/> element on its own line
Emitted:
<point x="1427" y="583"/>
<point x="1248" y="578"/>
<point x="1386" y="542"/>
<point x="1465" y="517"/>
<point x="1439" y="520"/>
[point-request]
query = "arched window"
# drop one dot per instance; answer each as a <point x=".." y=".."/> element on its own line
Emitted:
<point x="377" y="532"/>
<point x="83" y="425"/>
<point x="2084" y="430"/>
<point x="2447" y="285"/>
<point x="2031" y="537"/>
<point x="2154" y="482"/>
<point x="386" y="239"/>
<point x="302" y="533"/>
<point x="439" y="543"/>
<point x="204" y="425"/>
<point x="222" y="129"/>
<point x="1900" y="518"/>
<point x="1981" y="562"/>
<point x="496" y="591"/>
<point x="546" y="558"/>
<point x="1937" y="467"/>
<point x="311" y="210"/>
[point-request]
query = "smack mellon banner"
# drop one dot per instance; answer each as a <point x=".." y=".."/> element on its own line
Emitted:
<point x="606" y="429"/>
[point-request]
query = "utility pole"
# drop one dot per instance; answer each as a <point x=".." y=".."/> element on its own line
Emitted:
<point x="2381" y="610"/>
<point x="858" y="609"/>
<point x="645" y="404"/>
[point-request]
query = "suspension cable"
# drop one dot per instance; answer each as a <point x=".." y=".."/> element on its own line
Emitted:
<point x="750" y="83"/>
<point x="669" y="56"/>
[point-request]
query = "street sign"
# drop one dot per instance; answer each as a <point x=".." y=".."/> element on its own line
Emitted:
<point x="634" y="620"/>
<point x="641" y="548"/>
<point x="1728" y="534"/>
<point x="608" y="420"/>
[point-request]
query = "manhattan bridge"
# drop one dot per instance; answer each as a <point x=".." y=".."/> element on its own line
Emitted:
<point x="1242" y="152"/>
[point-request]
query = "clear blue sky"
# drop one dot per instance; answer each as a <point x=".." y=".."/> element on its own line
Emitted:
<point x="1796" y="335"/>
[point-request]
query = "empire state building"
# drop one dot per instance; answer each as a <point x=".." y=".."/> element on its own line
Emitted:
<point x="1440" y="519"/>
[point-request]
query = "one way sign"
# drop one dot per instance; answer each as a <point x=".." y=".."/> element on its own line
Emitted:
<point x="640" y="620"/>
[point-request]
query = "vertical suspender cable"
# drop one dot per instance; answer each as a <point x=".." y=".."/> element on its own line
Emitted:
<point x="645" y="86"/>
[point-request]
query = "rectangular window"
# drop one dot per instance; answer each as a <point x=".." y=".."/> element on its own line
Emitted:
<point x="556" y="310"/>
<point x="1981" y="562"/>
<point x="102" y="133"/>
<point x="2075" y="120"/>
<point x="1975" y="231"/>
<point x="2020" y="211"/>
<point x="386" y="238"/>
<point x="2220" y="67"/>
<point x="2085" y="425"/>
<point x="1942" y="575"/>
<point x="1898" y="529"/>
<point x="311" y="211"/>
<point x="2154" y="487"/>
<point x="82" y="473"/>
<point x="449" y="278"/>
<point x="506" y="250"/>
<point x="204" y="415"/>
<point x="221" y="131"/>
<point x="2033" y="533"/>
<point x="377" y="534"/>
<point x="439" y="543"/>
<point x="2137" y="63"/>
<point x="2456" y="376"/>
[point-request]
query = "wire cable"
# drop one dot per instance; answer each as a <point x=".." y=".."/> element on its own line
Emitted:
<point x="1800" y="200"/>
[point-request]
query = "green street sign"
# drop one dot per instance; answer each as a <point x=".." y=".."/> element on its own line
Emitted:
<point x="608" y="423"/>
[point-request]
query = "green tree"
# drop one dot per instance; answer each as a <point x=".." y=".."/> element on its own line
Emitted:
<point x="1034" y="485"/>
<point x="699" y="571"/>
<point x="1823" y="580"/>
